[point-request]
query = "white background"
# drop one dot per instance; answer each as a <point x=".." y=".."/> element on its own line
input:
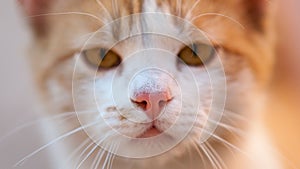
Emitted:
<point x="16" y="92"/>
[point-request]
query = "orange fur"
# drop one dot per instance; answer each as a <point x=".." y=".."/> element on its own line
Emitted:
<point x="245" y="37"/>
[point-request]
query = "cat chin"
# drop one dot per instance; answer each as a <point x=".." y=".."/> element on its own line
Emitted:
<point x="185" y="151"/>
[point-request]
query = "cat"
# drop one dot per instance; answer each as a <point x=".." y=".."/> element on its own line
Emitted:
<point x="155" y="84"/>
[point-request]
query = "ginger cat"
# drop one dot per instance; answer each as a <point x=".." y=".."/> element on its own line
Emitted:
<point x="155" y="84"/>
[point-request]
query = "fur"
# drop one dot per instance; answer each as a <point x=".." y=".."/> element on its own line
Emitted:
<point x="214" y="118"/>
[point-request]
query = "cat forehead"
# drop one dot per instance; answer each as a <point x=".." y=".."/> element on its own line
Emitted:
<point x="102" y="12"/>
<point x="145" y="28"/>
<point x="154" y="23"/>
<point x="126" y="18"/>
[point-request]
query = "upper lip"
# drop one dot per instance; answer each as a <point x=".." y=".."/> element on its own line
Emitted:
<point x="152" y="126"/>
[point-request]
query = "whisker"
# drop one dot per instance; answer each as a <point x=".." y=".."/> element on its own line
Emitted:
<point x="96" y="158"/>
<point x="218" y="158"/>
<point x="105" y="9"/>
<point x="213" y="156"/>
<point x="203" y="148"/>
<point x="53" y="142"/>
<point x="231" y="151"/>
<point x="83" y="152"/>
<point x="110" y="157"/>
<point x="76" y="150"/>
<point x="100" y="141"/>
<point x="200" y="153"/>
<point x="90" y="37"/>
<point x="106" y="158"/>
<point x="229" y="127"/>
<point x="235" y="115"/>
<point x="225" y="142"/>
<point x="218" y="14"/>
<point x="115" y="8"/>
<point x="113" y="156"/>
<point x="101" y="152"/>
<point x="193" y="7"/>
<point x="179" y="7"/>
<point x="87" y="156"/>
<point x="35" y="122"/>
<point x="69" y="13"/>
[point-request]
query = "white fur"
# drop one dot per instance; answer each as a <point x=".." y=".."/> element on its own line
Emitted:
<point x="153" y="44"/>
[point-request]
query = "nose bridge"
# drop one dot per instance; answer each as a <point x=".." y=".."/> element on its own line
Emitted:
<point x="150" y="81"/>
<point x="148" y="58"/>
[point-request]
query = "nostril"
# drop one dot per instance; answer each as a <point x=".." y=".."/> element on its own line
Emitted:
<point x="152" y="103"/>
<point x="143" y="103"/>
<point x="162" y="103"/>
<point x="140" y="104"/>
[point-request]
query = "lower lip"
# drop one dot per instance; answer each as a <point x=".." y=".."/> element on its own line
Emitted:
<point x="152" y="132"/>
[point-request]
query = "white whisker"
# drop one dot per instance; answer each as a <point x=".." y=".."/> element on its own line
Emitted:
<point x="101" y="154"/>
<point x="76" y="150"/>
<point x="199" y="152"/>
<point x="113" y="154"/>
<point x="218" y="14"/>
<point x="227" y="113"/>
<point x="110" y="157"/>
<point x="106" y="158"/>
<point x="96" y="158"/>
<point x="36" y="122"/>
<point x="98" y="142"/>
<point x="179" y="7"/>
<point x="83" y="152"/>
<point x="218" y="158"/>
<point x="90" y="37"/>
<point x="225" y="142"/>
<point x="105" y="9"/>
<point x="115" y="8"/>
<point x="216" y="161"/>
<point x="203" y="148"/>
<point x="228" y="127"/>
<point x="191" y="10"/>
<point x="87" y="156"/>
<point x="69" y="13"/>
<point x="53" y="142"/>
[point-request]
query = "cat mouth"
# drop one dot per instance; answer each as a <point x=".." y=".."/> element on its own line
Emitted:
<point x="150" y="132"/>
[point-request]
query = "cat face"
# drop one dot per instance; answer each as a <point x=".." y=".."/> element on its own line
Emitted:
<point x="152" y="87"/>
<point x="147" y="75"/>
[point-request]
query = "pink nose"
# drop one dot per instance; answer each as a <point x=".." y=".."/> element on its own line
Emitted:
<point x="152" y="103"/>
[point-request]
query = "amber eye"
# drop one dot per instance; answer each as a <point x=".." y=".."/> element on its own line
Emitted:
<point x="196" y="54"/>
<point x="102" y="58"/>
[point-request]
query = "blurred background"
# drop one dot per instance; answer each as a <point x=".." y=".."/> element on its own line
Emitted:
<point x="283" y="117"/>
<point x="17" y="89"/>
<point x="17" y="100"/>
